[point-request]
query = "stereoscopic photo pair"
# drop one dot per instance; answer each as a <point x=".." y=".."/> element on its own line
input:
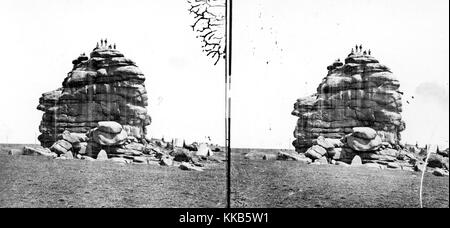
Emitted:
<point x="224" y="104"/>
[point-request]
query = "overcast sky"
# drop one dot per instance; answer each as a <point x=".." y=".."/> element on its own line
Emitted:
<point x="281" y="49"/>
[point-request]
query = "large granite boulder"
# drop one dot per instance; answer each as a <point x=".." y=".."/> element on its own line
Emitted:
<point x="105" y="87"/>
<point x="356" y="94"/>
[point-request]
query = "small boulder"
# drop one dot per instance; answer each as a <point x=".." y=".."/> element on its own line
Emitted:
<point x="363" y="145"/>
<point x="440" y="172"/>
<point x="166" y="161"/>
<point x="435" y="161"/>
<point x="109" y="139"/>
<point x="87" y="158"/>
<point x="364" y="133"/>
<point x="42" y="152"/>
<point x="15" y="152"/>
<point x="419" y="166"/>
<point x="321" y="161"/>
<point x="315" y="152"/>
<point x="389" y="152"/>
<point x="187" y="166"/>
<point x="140" y="160"/>
<point x="109" y="127"/>
<point x="328" y="143"/>
<point x="270" y="157"/>
<point x="356" y="161"/>
<point x="102" y="155"/>
<point x="204" y="150"/>
<point x="394" y="165"/>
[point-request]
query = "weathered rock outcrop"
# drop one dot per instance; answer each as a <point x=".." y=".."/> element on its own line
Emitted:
<point x="105" y="87"/>
<point x="360" y="93"/>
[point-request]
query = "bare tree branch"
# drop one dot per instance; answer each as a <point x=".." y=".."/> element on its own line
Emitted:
<point x="209" y="24"/>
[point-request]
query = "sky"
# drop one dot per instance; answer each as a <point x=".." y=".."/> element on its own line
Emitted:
<point x="43" y="37"/>
<point x="280" y="53"/>
<point x="292" y="42"/>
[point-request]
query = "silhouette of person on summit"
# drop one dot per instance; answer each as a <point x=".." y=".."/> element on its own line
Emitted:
<point x="101" y="42"/>
<point x="114" y="46"/>
<point x="106" y="42"/>
<point x="360" y="47"/>
<point x="370" y="52"/>
<point x="356" y="48"/>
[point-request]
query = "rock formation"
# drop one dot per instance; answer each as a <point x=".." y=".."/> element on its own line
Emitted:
<point x="100" y="114"/>
<point x="105" y="87"/>
<point x="358" y="93"/>
<point x="355" y="119"/>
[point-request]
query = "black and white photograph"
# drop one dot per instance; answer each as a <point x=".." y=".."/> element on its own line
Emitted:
<point x="224" y="104"/>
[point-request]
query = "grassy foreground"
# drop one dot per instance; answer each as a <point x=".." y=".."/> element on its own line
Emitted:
<point x="32" y="181"/>
<point x="295" y="184"/>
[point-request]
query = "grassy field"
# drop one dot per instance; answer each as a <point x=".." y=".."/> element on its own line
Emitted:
<point x="295" y="184"/>
<point x="32" y="181"/>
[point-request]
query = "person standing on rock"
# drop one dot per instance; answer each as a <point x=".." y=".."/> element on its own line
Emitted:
<point x="106" y="42"/>
<point x="101" y="42"/>
<point x="114" y="46"/>
<point x="356" y="48"/>
<point x="370" y="52"/>
<point x="360" y="48"/>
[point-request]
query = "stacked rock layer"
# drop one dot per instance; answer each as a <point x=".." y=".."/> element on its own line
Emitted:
<point x="360" y="93"/>
<point x="105" y="87"/>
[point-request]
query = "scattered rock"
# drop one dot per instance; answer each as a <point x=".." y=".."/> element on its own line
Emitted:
<point x="204" y="150"/>
<point x="363" y="145"/>
<point x="364" y="133"/>
<point x="394" y="165"/>
<point x="440" y="172"/>
<point x="102" y="155"/>
<point x="87" y="158"/>
<point x="328" y="143"/>
<point x="140" y="160"/>
<point x="15" y="152"/>
<point x="321" y="161"/>
<point x="270" y="157"/>
<point x="188" y="166"/>
<point x="356" y="161"/>
<point x="166" y="161"/>
<point x="34" y="151"/>
<point x="435" y="161"/>
<point x="315" y="152"/>
<point x="111" y="127"/>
